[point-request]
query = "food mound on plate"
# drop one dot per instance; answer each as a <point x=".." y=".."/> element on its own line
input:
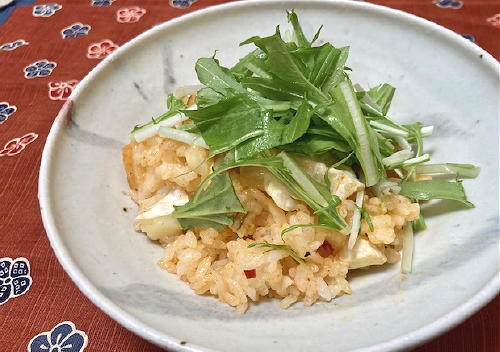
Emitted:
<point x="279" y="175"/>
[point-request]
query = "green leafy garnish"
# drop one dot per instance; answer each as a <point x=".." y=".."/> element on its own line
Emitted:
<point x="435" y="189"/>
<point x="366" y="216"/>
<point x="314" y="194"/>
<point x="288" y="95"/>
<point x="419" y="224"/>
<point x="230" y="163"/>
<point x="295" y="96"/>
<point x="302" y="41"/>
<point x="343" y="161"/>
<point x="215" y="207"/>
<point x="207" y="96"/>
<point x="174" y="106"/>
<point x="211" y="74"/>
<point x="457" y="170"/>
<point x="382" y="96"/>
<point x="356" y="130"/>
<point x="278" y="247"/>
<point x="298" y="226"/>
<point x="277" y="133"/>
<point x="228" y="123"/>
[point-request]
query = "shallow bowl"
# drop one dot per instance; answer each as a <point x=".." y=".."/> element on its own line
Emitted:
<point x="441" y="79"/>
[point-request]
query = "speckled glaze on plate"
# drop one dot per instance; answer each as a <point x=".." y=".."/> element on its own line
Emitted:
<point x="441" y="79"/>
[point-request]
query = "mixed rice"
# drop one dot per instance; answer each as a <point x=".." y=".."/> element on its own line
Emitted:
<point x="220" y="263"/>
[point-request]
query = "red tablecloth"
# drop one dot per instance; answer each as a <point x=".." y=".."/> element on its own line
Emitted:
<point x="44" y="50"/>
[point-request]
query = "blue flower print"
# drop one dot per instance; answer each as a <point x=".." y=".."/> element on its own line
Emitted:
<point x="13" y="45"/>
<point x="40" y="68"/>
<point x="46" y="10"/>
<point x="75" y="30"/>
<point x="5" y="111"/>
<point x="101" y="2"/>
<point x="15" y="278"/>
<point x="469" y="37"/>
<point x="181" y="4"/>
<point x="452" y="4"/>
<point x="62" y="338"/>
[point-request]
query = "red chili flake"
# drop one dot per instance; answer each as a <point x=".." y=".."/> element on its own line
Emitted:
<point x="250" y="274"/>
<point x="248" y="237"/>
<point x="392" y="174"/>
<point x="325" y="250"/>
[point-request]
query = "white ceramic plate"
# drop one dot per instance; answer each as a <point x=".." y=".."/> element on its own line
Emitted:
<point x="441" y="79"/>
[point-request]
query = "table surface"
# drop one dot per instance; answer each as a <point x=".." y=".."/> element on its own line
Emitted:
<point x="73" y="36"/>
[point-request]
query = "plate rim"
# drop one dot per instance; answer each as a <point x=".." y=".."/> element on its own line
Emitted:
<point x="135" y="325"/>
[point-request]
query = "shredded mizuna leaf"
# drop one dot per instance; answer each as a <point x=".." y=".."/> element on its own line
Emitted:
<point x="214" y="207"/>
<point x="457" y="170"/>
<point x="290" y="96"/>
<point x="397" y="159"/>
<point x="407" y="255"/>
<point x="435" y="189"/>
<point x="182" y="136"/>
<point x="298" y="226"/>
<point x="366" y="216"/>
<point x="174" y="106"/>
<point x="365" y="153"/>
<point x="356" y="219"/>
<point x="279" y="247"/>
<point x="419" y="224"/>
<point x="302" y="179"/>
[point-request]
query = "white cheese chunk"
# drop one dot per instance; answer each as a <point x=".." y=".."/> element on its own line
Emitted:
<point x="157" y="222"/>
<point x="343" y="183"/>
<point x="315" y="169"/>
<point x="363" y="254"/>
<point x="161" y="227"/>
<point x="166" y="205"/>
<point x="279" y="193"/>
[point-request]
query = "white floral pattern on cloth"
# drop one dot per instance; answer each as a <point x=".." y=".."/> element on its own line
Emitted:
<point x="6" y="110"/>
<point x="450" y="4"/>
<point x="101" y="50"/>
<point x="46" y="10"/>
<point x="64" y="337"/>
<point x="129" y="14"/>
<point x="494" y="20"/>
<point x="40" y="68"/>
<point x="181" y="4"/>
<point x="75" y="30"/>
<point x="99" y="3"/>
<point x="61" y="90"/>
<point x="13" y="45"/>
<point x="15" y="279"/>
<point x="17" y="145"/>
